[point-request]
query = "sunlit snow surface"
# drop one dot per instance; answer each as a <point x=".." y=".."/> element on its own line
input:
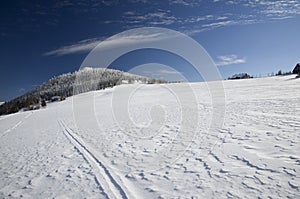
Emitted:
<point x="56" y="153"/>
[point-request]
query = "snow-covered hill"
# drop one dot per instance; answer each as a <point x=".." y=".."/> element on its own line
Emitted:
<point x="76" y="149"/>
<point x="84" y="80"/>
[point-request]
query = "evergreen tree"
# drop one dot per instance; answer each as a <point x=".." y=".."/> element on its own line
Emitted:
<point x="279" y="73"/>
<point x="43" y="103"/>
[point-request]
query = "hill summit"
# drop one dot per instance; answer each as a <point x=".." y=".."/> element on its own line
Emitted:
<point x="65" y="85"/>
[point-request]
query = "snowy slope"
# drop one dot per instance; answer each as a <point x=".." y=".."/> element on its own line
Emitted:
<point x="76" y="149"/>
<point x="65" y="85"/>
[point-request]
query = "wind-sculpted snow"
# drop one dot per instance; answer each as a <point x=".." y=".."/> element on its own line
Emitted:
<point x="48" y="153"/>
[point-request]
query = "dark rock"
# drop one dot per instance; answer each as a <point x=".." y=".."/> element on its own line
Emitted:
<point x="297" y="69"/>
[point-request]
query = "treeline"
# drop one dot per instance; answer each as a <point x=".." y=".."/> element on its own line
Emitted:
<point x="26" y="101"/>
<point x="87" y="79"/>
<point x="240" y="76"/>
<point x="295" y="71"/>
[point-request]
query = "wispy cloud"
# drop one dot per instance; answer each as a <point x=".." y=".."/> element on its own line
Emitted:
<point x="181" y="2"/>
<point x="156" y="70"/>
<point x="225" y="60"/>
<point x="254" y="11"/>
<point x="151" y="18"/>
<point x="134" y="37"/>
<point x="168" y="71"/>
<point x="191" y="3"/>
<point x="277" y="9"/>
<point x="79" y="47"/>
<point x="219" y="24"/>
<point x="138" y="37"/>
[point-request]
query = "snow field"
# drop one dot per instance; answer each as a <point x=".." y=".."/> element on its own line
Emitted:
<point x="81" y="148"/>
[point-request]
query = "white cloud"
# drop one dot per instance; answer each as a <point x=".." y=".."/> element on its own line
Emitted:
<point x="79" y="47"/>
<point x="182" y="2"/>
<point x="225" y="60"/>
<point x="134" y="37"/>
<point x="259" y="11"/>
<point x="191" y="3"/>
<point x="159" y="71"/>
<point x="152" y="18"/>
<point x="219" y="24"/>
<point x="277" y="9"/>
<point x="254" y="11"/>
<point x="168" y="71"/>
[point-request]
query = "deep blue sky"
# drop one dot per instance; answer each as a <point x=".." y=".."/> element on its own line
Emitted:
<point x="42" y="39"/>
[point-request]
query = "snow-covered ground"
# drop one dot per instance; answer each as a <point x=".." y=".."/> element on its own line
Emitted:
<point x="77" y="149"/>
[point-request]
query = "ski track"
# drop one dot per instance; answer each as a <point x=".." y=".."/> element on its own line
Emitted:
<point x="103" y="177"/>
<point x="16" y="125"/>
<point x="41" y="162"/>
<point x="254" y="155"/>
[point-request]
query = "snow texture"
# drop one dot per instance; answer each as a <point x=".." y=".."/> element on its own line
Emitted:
<point x="51" y="153"/>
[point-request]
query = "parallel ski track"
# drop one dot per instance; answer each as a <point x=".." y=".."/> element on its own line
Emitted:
<point x="108" y="183"/>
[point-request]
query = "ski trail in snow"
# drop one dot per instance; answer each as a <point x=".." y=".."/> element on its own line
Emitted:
<point x="16" y="125"/>
<point x="103" y="176"/>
